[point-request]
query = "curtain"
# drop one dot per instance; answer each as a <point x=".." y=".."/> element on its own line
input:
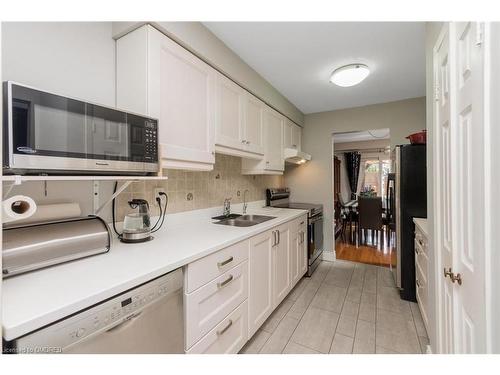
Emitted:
<point x="353" y="163"/>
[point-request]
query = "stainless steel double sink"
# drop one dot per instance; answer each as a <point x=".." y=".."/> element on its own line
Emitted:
<point x="243" y="220"/>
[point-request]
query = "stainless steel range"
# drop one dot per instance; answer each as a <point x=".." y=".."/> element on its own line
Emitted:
<point x="280" y="198"/>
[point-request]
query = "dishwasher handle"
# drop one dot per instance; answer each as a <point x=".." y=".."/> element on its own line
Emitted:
<point x="125" y="322"/>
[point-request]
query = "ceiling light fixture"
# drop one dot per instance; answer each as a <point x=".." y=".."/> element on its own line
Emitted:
<point x="349" y="75"/>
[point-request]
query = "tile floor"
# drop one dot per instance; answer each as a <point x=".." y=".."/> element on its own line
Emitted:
<point x="344" y="307"/>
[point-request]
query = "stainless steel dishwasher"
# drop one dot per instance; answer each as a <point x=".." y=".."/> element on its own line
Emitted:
<point x="146" y="319"/>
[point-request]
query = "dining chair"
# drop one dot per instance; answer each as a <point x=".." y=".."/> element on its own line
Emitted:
<point x="370" y="216"/>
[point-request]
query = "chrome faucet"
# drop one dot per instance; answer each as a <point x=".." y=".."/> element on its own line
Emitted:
<point x="227" y="207"/>
<point x="245" y="204"/>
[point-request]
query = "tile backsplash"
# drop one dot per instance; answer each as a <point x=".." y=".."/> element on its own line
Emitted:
<point x="197" y="190"/>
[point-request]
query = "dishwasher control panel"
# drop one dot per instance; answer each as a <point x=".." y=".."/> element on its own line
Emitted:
<point x="107" y="316"/>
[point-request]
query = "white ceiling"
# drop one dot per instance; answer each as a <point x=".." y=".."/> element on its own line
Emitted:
<point x="368" y="135"/>
<point x="297" y="58"/>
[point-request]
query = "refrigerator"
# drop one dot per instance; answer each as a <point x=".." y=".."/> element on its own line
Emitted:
<point x="408" y="184"/>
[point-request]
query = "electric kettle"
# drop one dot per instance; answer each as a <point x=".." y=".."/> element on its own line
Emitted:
<point x="137" y="225"/>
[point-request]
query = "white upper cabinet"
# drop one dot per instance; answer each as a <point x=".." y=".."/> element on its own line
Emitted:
<point x="254" y="124"/>
<point x="273" y="162"/>
<point x="238" y="121"/>
<point x="292" y="135"/>
<point x="229" y="117"/>
<point x="158" y="77"/>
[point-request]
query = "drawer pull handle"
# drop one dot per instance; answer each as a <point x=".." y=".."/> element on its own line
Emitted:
<point x="221" y="332"/>
<point x="420" y="242"/>
<point x="416" y="250"/>
<point x="301" y="222"/>
<point x="418" y="283"/>
<point x="225" y="282"/>
<point x="228" y="260"/>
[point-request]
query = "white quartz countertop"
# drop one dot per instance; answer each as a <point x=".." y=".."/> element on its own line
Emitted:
<point x="33" y="300"/>
<point x="422" y="224"/>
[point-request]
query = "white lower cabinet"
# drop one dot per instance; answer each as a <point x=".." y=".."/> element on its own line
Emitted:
<point x="421" y="273"/>
<point x="225" y="307"/>
<point x="298" y="250"/>
<point x="211" y="303"/>
<point x="228" y="337"/>
<point x="281" y="264"/>
<point x="260" y="278"/>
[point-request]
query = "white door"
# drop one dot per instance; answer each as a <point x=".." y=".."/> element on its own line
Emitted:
<point x="273" y="124"/>
<point x="260" y="275"/>
<point x="281" y="264"/>
<point x="443" y="188"/>
<point x="181" y="95"/>
<point x="229" y="114"/>
<point x="254" y="127"/>
<point x="459" y="187"/>
<point x="469" y="261"/>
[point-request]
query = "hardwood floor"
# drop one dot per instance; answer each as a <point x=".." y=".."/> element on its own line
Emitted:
<point x="371" y="252"/>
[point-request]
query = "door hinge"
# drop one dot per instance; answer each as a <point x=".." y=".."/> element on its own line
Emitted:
<point x="436" y="93"/>
<point x="479" y="33"/>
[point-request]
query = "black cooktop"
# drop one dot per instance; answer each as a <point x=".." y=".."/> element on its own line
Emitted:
<point x="313" y="209"/>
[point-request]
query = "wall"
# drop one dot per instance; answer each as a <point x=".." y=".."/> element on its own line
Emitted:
<point x="208" y="189"/>
<point x="312" y="182"/>
<point x="197" y="38"/>
<point x="72" y="58"/>
<point x="78" y="59"/>
<point x="432" y="31"/>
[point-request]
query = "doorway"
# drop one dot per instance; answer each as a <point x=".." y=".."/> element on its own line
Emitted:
<point x="361" y="166"/>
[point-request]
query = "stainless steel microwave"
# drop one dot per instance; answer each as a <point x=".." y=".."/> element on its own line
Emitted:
<point x="49" y="133"/>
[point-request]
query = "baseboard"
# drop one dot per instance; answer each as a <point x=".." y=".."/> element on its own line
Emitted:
<point x="328" y="256"/>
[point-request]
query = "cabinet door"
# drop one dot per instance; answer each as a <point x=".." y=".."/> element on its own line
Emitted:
<point x="281" y="265"/>
<point x="273" y="124"/>
<point x="181" y="94"/>
<point x="254" y="135"/>
<point x="229" y="114"/>
<point x="260" y="292"/>
<point x="303" y="245"/>
<point x="287" y="134"/>
<point x="296" y="136"/>
<point x="295" y="258"/>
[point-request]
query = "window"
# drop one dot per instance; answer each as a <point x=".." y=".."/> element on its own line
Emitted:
<point x="375" y="177"/>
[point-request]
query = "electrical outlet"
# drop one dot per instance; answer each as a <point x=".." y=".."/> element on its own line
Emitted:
<point x="156" y="194"/>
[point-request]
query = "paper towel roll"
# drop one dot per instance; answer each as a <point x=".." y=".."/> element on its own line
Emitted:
<point x="17" y="208"/>
<point x="53" y="212"/>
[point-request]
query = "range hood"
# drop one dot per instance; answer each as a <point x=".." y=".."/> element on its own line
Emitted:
<point x="295" y="156"/>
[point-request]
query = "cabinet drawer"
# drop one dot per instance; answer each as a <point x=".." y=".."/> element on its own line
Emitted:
<point x="421" y="260"/>
<point x="421" y="239"/>
<point x="228" y="337"/>
<point x="422" y="296"/>
<point x="208" y="268"/>
<point x="208" y="305"/>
